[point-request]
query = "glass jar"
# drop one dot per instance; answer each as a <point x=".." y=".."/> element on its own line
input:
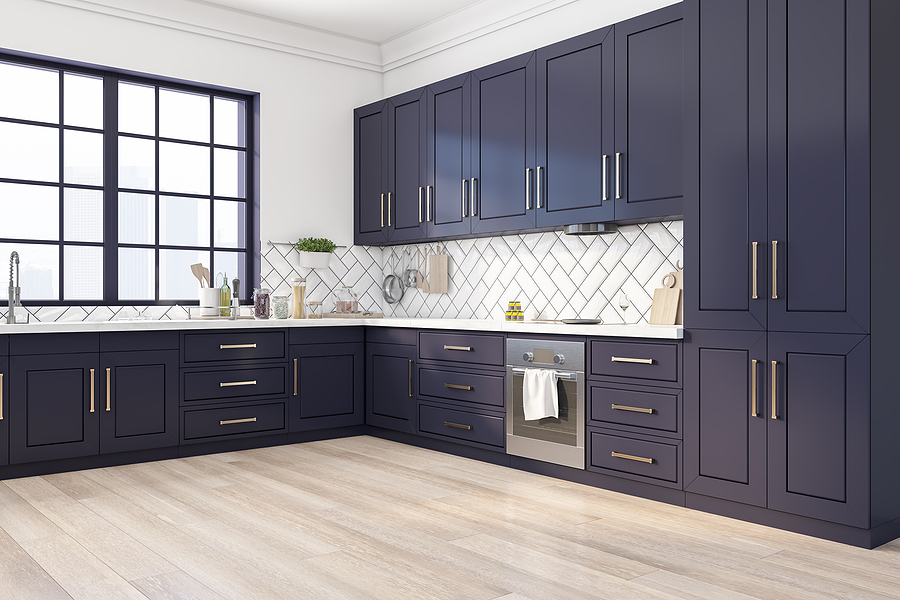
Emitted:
<point x="314" y="309"/>
<point x="298" y="285"/>
<point x="345" y="300"/>
<point x="262" y="305"/>
<point x="280" y="307"/>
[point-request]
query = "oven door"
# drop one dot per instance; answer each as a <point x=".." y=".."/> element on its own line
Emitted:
<point x="559" y="441"/>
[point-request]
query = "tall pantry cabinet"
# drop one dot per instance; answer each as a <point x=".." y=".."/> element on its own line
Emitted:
<point x="790" y="128"/>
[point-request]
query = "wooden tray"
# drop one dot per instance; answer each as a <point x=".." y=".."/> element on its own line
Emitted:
<point x="360" y="315"/>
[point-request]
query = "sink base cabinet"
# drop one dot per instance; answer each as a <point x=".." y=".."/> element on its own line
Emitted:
<point x="327" y="382"/>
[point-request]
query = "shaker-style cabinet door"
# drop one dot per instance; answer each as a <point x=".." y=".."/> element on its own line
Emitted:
<point x="370" y="173"/>
<point x="4" y="411"/>
<point x="648" y="169"/>
<point x="390" y="386"/>
<point x="407" y="161"/>
<point x="327" y="383"/>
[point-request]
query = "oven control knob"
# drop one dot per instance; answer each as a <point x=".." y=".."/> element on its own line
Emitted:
<point x="559" y="359"/>
<point x="528" y="357"/>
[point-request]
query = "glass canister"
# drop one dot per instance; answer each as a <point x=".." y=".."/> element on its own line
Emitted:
<point x="314" y="309"/>
<point x="298" y="284"/>
<point x="280" y="307"/>
<point x="345" y="300"/>
<point x="262" y="305"/>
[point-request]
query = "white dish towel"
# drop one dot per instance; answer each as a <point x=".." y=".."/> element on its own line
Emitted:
<point x="539" y="396"/>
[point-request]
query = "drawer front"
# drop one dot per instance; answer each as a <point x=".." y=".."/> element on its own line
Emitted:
<point x="638" y="457"/>
<point x="237" y="345"/>
<point x="461" y="425"/>
<point x="636" y="408"/>
<point x="234" y="383"/>
<point x="640" y="361"/>
<point x="480" y="350"/>
<point x="217" y="422"/>
<point x="465" y="387"/>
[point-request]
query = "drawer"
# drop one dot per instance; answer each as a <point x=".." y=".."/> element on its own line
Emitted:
<point x="233" y="345"/>
<point x="215" y="422"/>
<point x="657" y="362"/>
<point x="234" y="383"/>
<point x="465" y="387"/>
<point x="481" y="350"/>
<point x="636" y="408"/>
<point x="638" y="457"/>
<point x="461" y="425"/>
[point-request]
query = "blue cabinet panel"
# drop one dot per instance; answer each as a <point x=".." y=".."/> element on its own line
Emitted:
<point x="448" y="195"/>
<point x="390" y="386"/>
<point x="370" y="181"/>
<point x="407" y="161"/>
<point x="327" y="386"/>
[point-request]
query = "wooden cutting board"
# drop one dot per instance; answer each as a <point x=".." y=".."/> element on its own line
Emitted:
<point x="360" y="315"/>
<point x="665" y="306"/>
<point x="438" y="267"/>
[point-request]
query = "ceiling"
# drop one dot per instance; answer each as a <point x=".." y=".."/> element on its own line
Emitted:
<point x="374" y="21"/>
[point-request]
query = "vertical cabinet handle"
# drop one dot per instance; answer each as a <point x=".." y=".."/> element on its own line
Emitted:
<point x="603" y="180"/>
<point x="382" y="210"/>
<point x="774" y="270"/>
<point x="618" y="174"/>
<point x="774" y="387"/>
<point x="295" y="376"/>
<point x="389" y="209"/>
<point x="409" y="378"/>
<point x="473" y="198"/>
<point x="755" y="295"/>
<point x="92" y="390"/>
<point x="527" y="188"/>
<point x="107" y="390"/>
<point x="420" y="203"/>
<point x="428" y="202"/>
<point x="539" y="169"/>
<point x="754" y="390"/>
<point x="463" y="195"/>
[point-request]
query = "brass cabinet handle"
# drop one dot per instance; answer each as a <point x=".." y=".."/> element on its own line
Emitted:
<point x="420" y="203"/>
<point x="428" y="202"/>
<point x="233" y="346"/>
<point x="107" y="390"/>
<point x="527" y="188"/>
<point x="389" y="209"/>
<point x="603" y="181"/>
<point x="630" y="457"/>
<point x="468" y="388"/>
<point x="382" y="210"/>
<point x="474" y="198"/>
<point x="234" y="383"/>
<point x="774" y="387"/>
<point x="457" y="425"/>
<point x="1" y="396"/>
<point x="539" y="169"/>
<point x="754" y="393"/>
<point x="233" y="421"/>
<point x="618" y="174"/>
<point x="755" y="271"/>
<point x="92" y="390"/>
<point x="774" y="270"/>
<point x="295" y="376"/>
<point x="409" y="378"/>
<point x="648" y="411"/>
<point x="463" y="348"/>
<point x="623" y="359"/>
<point x="463" y="195"/>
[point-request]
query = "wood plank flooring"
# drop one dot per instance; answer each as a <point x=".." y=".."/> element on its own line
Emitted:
<point x="363" y="518"/>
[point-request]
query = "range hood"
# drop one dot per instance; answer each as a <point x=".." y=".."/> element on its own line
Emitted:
<point x="590" y="228"/>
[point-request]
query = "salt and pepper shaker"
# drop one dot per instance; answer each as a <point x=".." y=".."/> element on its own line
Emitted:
<point x="236" y="298"/>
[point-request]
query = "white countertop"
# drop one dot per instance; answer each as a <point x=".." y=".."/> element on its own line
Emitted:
<point x="671" y="332"/>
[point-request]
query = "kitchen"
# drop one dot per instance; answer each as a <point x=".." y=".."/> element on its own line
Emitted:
<point x="320" y="113"/>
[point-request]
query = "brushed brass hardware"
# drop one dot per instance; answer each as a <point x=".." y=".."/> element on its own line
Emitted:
<point x="527" y="188"/>
<point x="774" y="270"/>
<point x="389" y="208"/>
<point x="754" y="391"/>
<point x="420" y="203"/>
<point x="473" y="198"/>
<point x="463" y="348"/>
<point x="466" y="427"/>
<point x="295" y="376"/>
<point x="107" y="390"/>
<point x="539" y="169"/>
<point x="603" y="181"/>
<point x="234" y="383"/>
<point x="463" y="194"/>
<point x="233" y="346"/>
<point x="382" y="210"/>
<point x="233" y="421"/>
<point x="92" y="390"/>
<point x="755" y="271"/>
<point x="774" y="387"/>
<point x="618" y="174"/>
<point x="454" y="386"/>
<point x="648" y="411"/>
<point x="1" y="396"/>
<point x="409" y="378"/>
<point x="623" y="359"/>
<point x="630" y="457"/>
<point x="428" y="202"/>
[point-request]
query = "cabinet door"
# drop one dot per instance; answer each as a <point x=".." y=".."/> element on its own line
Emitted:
<point x="407" y="159"/>
<point x="390" y="386"/>
<point x="326" y="386"/>
<point x="819" y="165"/>
<point x="725" y="415"/>
<point x="370" y="140"/>
<point x="649" y="172"/>
<point x="503" y="163"/>
<point x="575" y="129"/>
<point x="139" y="400"/>
<point x="4" y="411"/>
<point x="449" y="192"/>
<point x="819" y="426"/>
<point x="725" y="165"/>
<point x="55" y="399"/>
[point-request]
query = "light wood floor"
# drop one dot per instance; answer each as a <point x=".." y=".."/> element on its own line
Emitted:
<point x="368" y="518"/>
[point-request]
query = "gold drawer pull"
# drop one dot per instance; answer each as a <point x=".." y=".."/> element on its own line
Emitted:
<point x="107" y="390"/>
<point x="630" y="457"/>
<point x="643" y="361"/>
<point x="453" y="386"/>
<point x="466" y="427"/>
<point x="648" y="411"/>
<point x="234" y="383"/>
<point x="232" y="346"/>
<point x="463" y="348"/>
<point x="234" y="421"/>
<point x="92" y="390"/>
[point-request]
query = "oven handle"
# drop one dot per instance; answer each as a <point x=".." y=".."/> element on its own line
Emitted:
<point x="571" y="376"/>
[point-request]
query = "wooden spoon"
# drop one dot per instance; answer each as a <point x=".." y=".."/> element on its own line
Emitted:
<point x="197" y="270"/>
<point x="206" y="276"/>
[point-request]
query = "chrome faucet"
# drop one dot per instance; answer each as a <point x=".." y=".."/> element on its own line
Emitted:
<point x="15" y="292"/>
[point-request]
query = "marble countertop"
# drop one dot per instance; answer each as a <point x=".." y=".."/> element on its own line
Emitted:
<point x="671" y="332"/>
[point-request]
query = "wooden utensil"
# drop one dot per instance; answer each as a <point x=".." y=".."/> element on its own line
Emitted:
<point x="678" y="282"/>
<point x="665" y="302"/>
<point x="197" y="270"/>
<point x="206" y="276"/>
<point x="438" y="267"/>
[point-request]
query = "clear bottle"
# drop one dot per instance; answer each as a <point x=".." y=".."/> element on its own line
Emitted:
<point x="298" y="284"/>
<point x="224" y="296"/>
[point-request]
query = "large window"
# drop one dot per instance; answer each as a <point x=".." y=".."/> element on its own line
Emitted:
<point x="111" y="185"/>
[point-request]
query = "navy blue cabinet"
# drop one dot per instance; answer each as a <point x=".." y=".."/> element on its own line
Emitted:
<point x="407" y="162"/>
<point x="390" y="386"/>
<point x="4" y="411"/>
<point x="327" y="386"/>
<point x="370" y="173"/>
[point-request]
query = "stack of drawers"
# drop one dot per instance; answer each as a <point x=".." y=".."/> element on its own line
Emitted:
<point x="634" y="410"/>
<point x="233" y="384"/>
<point x="461" y="388"/>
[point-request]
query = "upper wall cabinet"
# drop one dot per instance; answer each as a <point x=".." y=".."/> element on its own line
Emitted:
<point x="370" y="180"/>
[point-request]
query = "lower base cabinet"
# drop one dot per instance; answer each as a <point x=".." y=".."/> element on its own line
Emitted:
<point x="4" y="411"/>
<point x="390" y="386"/>
<point x="327" y="386"/>
<point x="226" y="422"/>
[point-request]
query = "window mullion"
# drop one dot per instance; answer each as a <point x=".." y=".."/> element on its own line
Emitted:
<point x="62" y="168"/>
<point x="110" y="189"/>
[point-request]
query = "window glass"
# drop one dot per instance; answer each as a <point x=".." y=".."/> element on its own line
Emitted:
<point x="83" y="101"/>
<point x="230" y="122"/>
<point x="137" y="108"/>
<point x="83" y="272"/>
<point x="137" y="163"/>
<point x="232" y="263"/>
<point x="183" y="168"/>
<point x="183" y="221"/>
<point x="83" y="157"/>
<point x="176" y="282"/>
<point x="230" y="172"/>
<point x="31" y="212"/>
<point x="230" y="225"/>
<point x="137" y="218"/>
<point x="38" y="269"/>
<point x="183" y="115"/>
<point x="137" y="273"/>
<point x="29" y="93"/>
<point x="83" y="215"/>
<point x="29" y="152"/>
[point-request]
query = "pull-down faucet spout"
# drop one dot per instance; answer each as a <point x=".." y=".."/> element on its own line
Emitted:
<point x="15" y="292"/>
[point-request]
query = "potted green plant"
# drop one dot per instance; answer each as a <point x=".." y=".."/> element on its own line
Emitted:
<point x="314" y="253"/>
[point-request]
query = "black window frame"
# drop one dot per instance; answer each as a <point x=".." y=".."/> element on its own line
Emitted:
<point x="110" y="188"/>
